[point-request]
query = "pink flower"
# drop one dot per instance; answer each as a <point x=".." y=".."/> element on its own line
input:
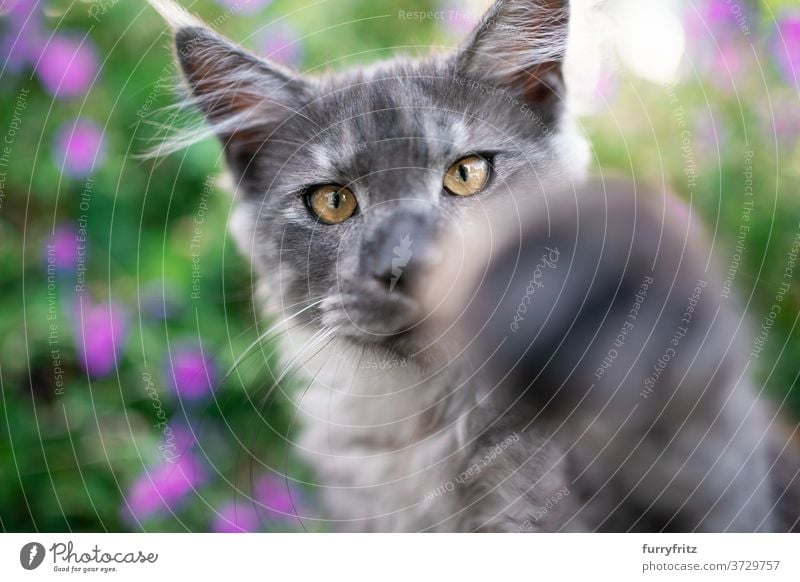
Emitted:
<point x="714" y="18"/>
<point x="163" y="486"/>
<point x="78" y="148"/>
<point x="100" y="336"/>
<point x="191" y="374"/>
<point x="719" y="38"/>
<point x="67" y="65"/>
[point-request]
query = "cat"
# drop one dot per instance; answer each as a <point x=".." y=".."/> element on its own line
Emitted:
<point x="347" y="184"/>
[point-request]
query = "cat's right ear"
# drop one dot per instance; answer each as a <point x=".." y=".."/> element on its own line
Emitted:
<point x="519" y="46"/>
<point x="242" y="96"/>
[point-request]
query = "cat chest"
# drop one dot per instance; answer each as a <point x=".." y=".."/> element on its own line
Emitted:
<point x="385" y="447"/>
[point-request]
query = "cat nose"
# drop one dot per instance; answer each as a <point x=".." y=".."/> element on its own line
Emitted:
<point x="402" y="250"/>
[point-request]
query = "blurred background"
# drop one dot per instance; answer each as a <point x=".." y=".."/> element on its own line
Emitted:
<point x="124" y="307"/>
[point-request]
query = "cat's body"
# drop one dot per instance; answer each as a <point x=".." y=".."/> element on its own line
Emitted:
<point x="345" y="187"/>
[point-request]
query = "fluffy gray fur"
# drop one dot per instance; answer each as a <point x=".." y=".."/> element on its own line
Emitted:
<point x="396" y="425"/>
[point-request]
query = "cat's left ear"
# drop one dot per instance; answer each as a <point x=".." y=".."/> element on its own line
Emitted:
<point x="242" y="96"/>
<point x="520" y="46"/>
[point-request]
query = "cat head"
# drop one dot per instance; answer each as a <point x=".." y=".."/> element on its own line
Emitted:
<point x="346" y="181"/>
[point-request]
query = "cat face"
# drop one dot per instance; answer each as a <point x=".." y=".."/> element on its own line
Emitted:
<point x="345" y="183"/>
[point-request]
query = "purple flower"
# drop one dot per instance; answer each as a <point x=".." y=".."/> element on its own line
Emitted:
<point x="243" y="6"/>
<point x="236" y="518"/>
<point x="100" y="336"/>
<point x="22" y="38"/>
<point x="62" y="249"/>
<point x="278" y="500"/>
<point x="717" y="40"/>
<point x="281" y="44"/>
<point x="67" y="65"/>
<point x="163" y="486"/>
<point x="191" y="374"/>
<point x="78" y="148"/>
<point x="10" y="7"/>
<point x="786" y="47"/>
<point x="713" y="18"/>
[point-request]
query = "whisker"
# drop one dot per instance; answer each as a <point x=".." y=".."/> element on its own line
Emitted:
<point x="251" y="348"/>
<point x="290" y="368"/>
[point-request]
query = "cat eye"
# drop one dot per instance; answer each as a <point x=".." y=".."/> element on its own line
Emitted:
<point x="332" y="204"/>
<point x="467" y="176"/>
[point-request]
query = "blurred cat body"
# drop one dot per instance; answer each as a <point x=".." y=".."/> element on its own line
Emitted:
<point x="424" y="446"/>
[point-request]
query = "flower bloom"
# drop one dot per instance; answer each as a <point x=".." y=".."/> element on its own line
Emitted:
<point x="78" y="148"/>
<point x="67" y="65"/>
<point x="100" y="336"/>
<point x="710" y="19"/>
<point x="719" y="37"/>
<point x="191" y="375"/>
<point x="163" y="486"/>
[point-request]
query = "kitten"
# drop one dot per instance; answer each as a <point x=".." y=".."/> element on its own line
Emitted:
<point x="346" y="184"/>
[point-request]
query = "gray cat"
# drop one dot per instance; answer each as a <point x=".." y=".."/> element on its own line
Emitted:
<point x="448" y="401"/>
